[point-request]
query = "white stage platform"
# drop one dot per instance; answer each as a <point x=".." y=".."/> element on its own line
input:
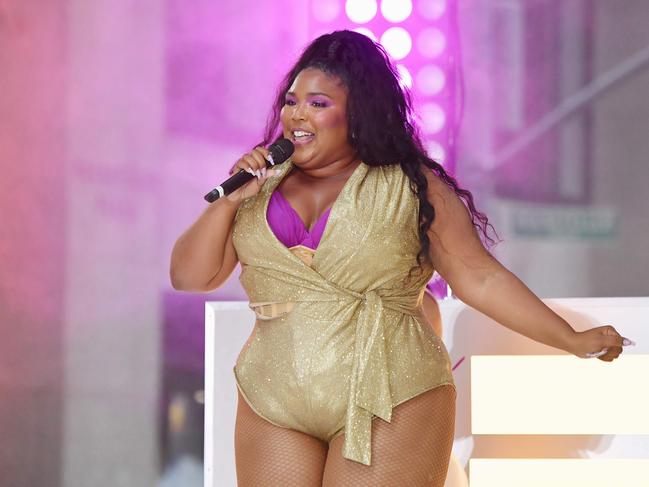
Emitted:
<point x="526" y="401"/>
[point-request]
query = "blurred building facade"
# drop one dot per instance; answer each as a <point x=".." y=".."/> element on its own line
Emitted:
<point x="117" y="116"/>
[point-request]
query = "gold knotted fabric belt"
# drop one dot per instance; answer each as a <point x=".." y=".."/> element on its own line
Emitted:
<point x="369" y="392"/>
<point x="370" y="380"/>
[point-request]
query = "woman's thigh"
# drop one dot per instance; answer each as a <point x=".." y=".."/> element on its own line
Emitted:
<point x="414" y="449"/>
<point x="272" y="456"/>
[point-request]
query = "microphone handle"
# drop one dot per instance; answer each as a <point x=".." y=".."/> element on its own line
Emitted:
<point x="231" y="184"/>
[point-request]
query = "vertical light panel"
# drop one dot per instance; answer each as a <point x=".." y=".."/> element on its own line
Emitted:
<point x="559" y="394"/>
<point x="558" y="472"/>
<point x="418" y="36"/>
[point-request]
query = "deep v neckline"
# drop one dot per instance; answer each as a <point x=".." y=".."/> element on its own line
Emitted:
<point x="297" y="215"/>
<point x="333" y="211"/>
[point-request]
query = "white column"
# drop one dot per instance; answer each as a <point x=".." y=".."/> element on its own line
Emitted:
<point x="111" y="341"/>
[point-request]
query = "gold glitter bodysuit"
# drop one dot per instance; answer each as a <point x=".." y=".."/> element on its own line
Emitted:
<point x="339" y="339"/>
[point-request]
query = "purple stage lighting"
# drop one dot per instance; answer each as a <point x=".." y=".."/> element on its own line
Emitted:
<point x="431" y="42"/>
<point x="397" y="42"/>
<point x="435" y="150"/>
<point x="366" y="32"/>
<point x="325" y="10"/>
<point x="425" y="33"/>
<point x="361" y="11"/>
<point x="431" y="80"/>
<point x="396" y="10"/>
<point x="433" y="117"/>
<point x="404" y="76"/>
<point x="431" y="9"/>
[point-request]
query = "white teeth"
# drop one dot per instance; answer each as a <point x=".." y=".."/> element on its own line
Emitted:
<point x="301" y="133"/>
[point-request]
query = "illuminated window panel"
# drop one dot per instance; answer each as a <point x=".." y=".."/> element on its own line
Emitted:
<point x="431" y="9"/>
<point x="435" y="150"/>
<point x="431" y="42"/>
<point x="431" y="80"/>
<point x="433" y="118"/>
<point x="560" y="472"/>
<point x="396" y="10"/>
<point x="397" y="42"/>
<point x="559" y="394"/>
<point x="326" y="10"/>
<point x="414" y="34"/>
<point x="404" y="76"/>
<point x="361" y="11"/>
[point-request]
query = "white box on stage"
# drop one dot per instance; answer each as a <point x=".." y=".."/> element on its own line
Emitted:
<point x="493" y="370"/>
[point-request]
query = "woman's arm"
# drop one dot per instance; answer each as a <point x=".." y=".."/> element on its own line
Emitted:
<point x="203" y="256"/>
<point x="482" y="282"/>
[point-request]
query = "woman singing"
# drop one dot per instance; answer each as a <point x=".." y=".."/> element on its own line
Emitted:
<point x="342" y="382"/>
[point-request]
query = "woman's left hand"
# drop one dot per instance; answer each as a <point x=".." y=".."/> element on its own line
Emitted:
<point x="603" y="342"/>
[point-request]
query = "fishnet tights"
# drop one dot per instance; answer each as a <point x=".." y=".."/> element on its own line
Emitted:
<point x="269" y="456"/>
<point x="414" y="449"/>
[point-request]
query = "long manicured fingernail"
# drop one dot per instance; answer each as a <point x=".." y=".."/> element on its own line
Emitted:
<point x="626" y="342"/>
<point x="263" y="171"/>
<point x="597" y="354"/>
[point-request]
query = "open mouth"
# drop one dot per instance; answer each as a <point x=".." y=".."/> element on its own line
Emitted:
<point x="302" y="137"/>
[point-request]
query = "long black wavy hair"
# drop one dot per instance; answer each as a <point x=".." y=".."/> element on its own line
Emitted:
<point x="379" y="116"/>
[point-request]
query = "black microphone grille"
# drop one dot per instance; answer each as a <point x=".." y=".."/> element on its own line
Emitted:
<point x="281" y="150"/>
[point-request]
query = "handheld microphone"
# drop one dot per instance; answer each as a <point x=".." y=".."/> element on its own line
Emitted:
<point x="279" y="152"/>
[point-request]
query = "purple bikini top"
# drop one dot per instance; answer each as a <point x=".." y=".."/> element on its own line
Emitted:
<point x="287" y="226"/>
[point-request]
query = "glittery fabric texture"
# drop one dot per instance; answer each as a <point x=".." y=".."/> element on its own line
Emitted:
<point x="267" y="456"/>
<point x="413" y="450"/>
<point x="351" y="344"/>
